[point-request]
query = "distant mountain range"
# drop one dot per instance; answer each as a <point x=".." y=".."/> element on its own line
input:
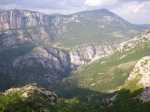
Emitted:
<point x="147" y="26"/>
<point x="68" y="30"/>
<point x="91" y="59"/>
<point x="32" y="43"/>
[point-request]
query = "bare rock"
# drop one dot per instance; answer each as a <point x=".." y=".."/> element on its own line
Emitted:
<point x="32" y="93"/>
<point x="141" y="72"/>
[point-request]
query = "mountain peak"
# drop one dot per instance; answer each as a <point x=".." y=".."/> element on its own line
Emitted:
<point x="102" y="10"/>
<point x="96" y="12"/>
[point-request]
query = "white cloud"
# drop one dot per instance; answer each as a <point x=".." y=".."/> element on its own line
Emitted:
<point x="92" y="2"/>
<point x="134" y="12"/>
<point x="136" y="7"/>
<point x="100" y="2"/>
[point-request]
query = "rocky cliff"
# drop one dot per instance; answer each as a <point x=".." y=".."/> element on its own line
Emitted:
<point x="141" y="72"/>
<point x="42" y="65"/>
<point x="67" y="30"/>
<point x="86" y="54"/>
<point x="23" y="22"/>
<point x="139" y="79"/>
<point x="138" y="41"/>
<point x="27" y="40"/>
<point x="21" y="19"/>
<point x="27" y="98"/>
<point x="23" y="61"/>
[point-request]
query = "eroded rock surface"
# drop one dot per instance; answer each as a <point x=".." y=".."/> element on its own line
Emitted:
<point x="136" y="42"/>
<point x="24" y="61"/>
<point x="88" y="53"/>
<point x="141" y="72"/>
<point x="34" y="94"/>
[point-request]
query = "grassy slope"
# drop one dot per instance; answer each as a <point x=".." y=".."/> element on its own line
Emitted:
<point x="109" y="73"/>
<point x="86" y="100"/>
<point x="82" y="96"/>
<point x="96" y="29"/>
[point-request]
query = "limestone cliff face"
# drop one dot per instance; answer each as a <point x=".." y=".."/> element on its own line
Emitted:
<point x="42" y="65"/>
<point x="19" y="19"/>
<point x="141" y="78"/>
<point x="141" y="72"/>
<point x="24" y="33"/>
<point x="12" y="39"/>
<point x="88" y="53"/>
<point x="79" y="27"/>
<point x="23" y="61"/>
<point x="23" y="22"/>
<point x="137" y="41"/>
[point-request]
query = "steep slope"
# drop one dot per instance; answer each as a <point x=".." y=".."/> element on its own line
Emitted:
<point x="96" y="26"/>
<point x="136" y="89"/>
<point x="139" y="77"/>
<point x="27" y="39"/>
<point x="87" y="53"/>
<point x="68" y="30"/>
<point x="121" y="81"/>
<point x="27" y="56"/>
<point x="22" y="61"/>
<point x="33" y="25"/>
<point x="30" y="98"/>
<point x="105" y="75"/>
<point x="109" y="73"/>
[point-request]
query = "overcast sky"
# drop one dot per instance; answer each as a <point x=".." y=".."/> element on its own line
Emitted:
<point x="135" y="11"/>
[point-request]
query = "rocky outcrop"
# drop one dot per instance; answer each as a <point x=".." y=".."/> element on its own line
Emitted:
<point x="33" y="94"/>
<point x="24" y="61"/>
<point x="43" y="65"/>
<point x="23" y="34"/>
<point x="12" y="39"/>
<point x="88" y="53"/>
<point x="20" y="19"/>
<point x="24" y="26"/>
<point x="136" y="42"/>
<point x="74" y="27"/>
<point x="35" y="25"/>
<point x="141" y="72"/>
<point x="144" y="96"/>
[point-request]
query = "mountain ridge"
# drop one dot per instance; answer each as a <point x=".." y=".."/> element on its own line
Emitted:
<point x="73" y="29"/>
<point x="108" y="73"/>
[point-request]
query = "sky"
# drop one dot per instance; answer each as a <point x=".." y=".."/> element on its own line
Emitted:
<point x="135" y="11"/>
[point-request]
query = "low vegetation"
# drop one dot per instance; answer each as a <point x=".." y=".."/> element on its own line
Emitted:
<point x="108" y="73"/>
